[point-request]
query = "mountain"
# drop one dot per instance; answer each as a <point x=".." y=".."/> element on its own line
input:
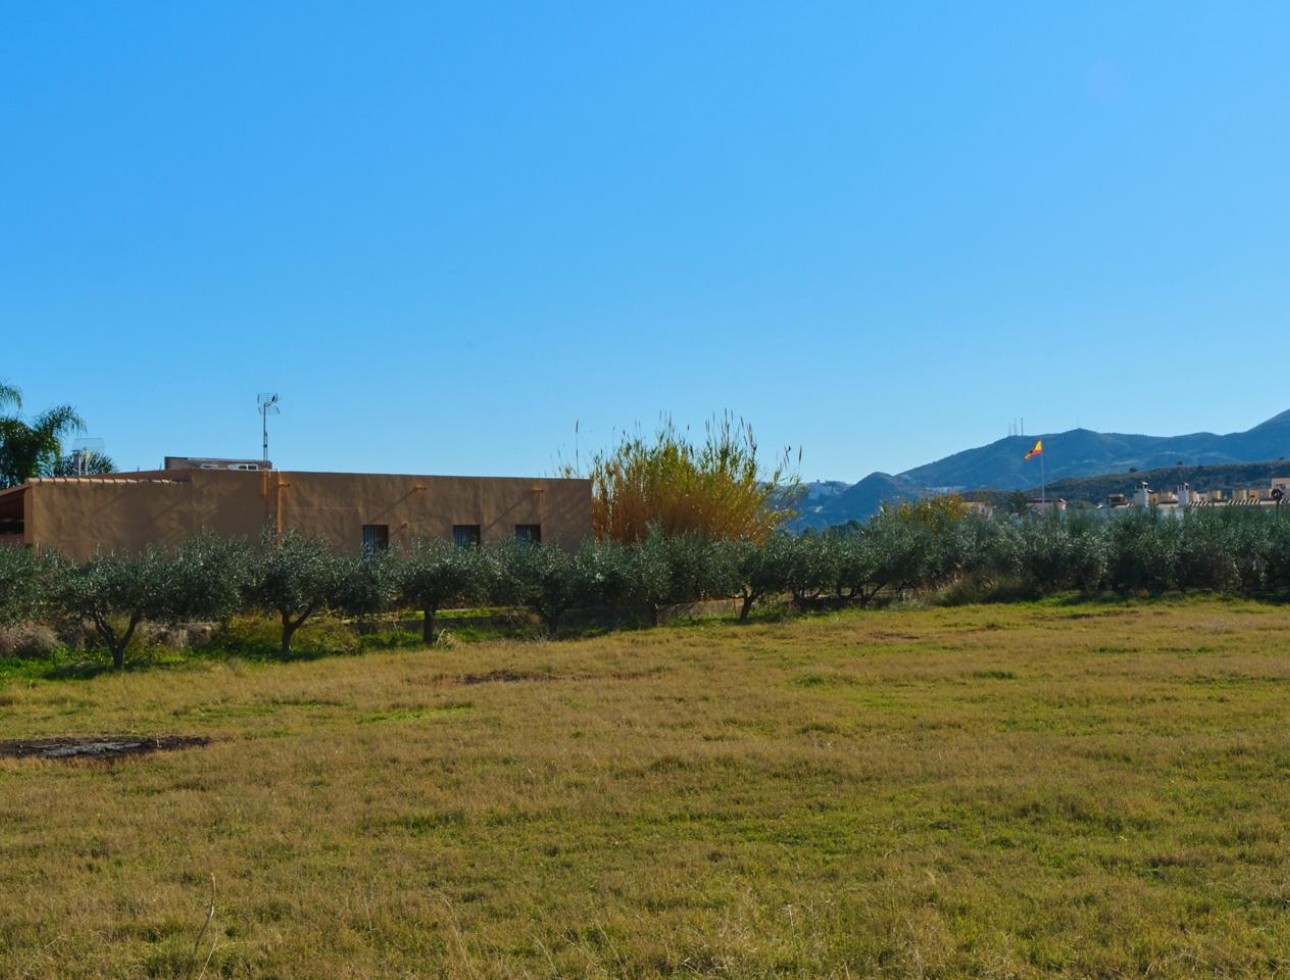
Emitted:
<point x="1080" y="452"/>
<point x="1095" y="489"/>
<point x="857" y="502"/>
<point x="1067" y="455"/>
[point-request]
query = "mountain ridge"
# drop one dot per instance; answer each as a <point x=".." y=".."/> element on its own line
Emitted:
<point x="1073" y="454"/>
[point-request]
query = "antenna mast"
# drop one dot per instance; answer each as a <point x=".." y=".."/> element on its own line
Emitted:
<point x="267" y="403"/>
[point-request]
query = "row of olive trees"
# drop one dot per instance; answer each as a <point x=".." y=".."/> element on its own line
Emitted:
<point x="928" y="546"/>
<point x="918" y="548"/>
<point x="296" y="577"/>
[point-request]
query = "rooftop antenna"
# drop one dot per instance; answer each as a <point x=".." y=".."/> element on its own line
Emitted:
<point x="85" y="452"/>
<point x="268" y="405"/>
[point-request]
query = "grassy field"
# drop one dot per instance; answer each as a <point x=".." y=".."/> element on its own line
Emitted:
<point x="1031" y="790"/>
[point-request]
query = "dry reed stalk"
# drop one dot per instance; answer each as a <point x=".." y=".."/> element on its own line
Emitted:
<point x="197" y="944"/>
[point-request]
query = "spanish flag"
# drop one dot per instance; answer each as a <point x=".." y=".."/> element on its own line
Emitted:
<point x="1039" y="448"/>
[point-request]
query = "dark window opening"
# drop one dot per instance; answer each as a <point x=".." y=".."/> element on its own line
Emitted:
<point x="376" y="537"/>
<point x="529" y="533"/>
<point x="465" y="535"/>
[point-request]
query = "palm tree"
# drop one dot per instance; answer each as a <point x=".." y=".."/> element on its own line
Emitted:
<point x="29" y="449"/>
<point x="85" y="463"/>
<point x="9" y="395"/>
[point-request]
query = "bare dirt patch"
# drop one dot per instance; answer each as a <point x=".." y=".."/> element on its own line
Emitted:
<point x="505" y="677"/>
<point x="516" y="676"/>
<point x="96" y="746"/>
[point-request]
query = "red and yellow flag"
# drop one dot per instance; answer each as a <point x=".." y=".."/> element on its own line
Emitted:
<point x="1039" y="448"/>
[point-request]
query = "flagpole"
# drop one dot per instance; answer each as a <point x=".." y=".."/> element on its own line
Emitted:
<point x="1042" y="481"/>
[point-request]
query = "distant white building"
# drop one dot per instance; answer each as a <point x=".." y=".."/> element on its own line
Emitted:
<point x="1177" y="502"/>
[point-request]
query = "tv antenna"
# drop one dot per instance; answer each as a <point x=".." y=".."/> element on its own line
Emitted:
<point x="267" y="403"/>
<point x="86" y="455"/>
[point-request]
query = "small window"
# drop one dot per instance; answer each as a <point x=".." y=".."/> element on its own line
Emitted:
<point x="465" y="535"/>
<point x="529" y="533"/>
<point x="376" y="537"/>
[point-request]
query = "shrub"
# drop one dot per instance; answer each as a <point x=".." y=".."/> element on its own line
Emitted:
<point x="715" y="490"/>
<point x="28" y="640"/>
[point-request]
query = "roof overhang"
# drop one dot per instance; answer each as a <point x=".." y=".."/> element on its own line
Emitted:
<point x="11" y="504"/>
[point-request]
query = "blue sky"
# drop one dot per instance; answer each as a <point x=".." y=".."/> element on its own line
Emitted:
<point x="447" y="234"/>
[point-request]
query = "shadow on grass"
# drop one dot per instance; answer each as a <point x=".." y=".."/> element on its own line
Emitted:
<point x="69" y="665"/>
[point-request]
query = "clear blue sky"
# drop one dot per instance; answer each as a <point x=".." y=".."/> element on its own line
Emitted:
<point x="447" y="233"/>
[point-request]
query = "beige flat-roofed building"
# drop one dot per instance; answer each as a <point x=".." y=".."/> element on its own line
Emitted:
<point x="126" y="512"/>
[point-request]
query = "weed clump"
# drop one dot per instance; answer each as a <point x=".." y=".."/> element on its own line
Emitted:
<point x="28" y="640"/>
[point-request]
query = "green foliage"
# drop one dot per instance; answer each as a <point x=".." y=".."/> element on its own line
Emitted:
<point x="88" y="464"/>
<point x="1141" y="553"/>
<point x="927" y="548"/>
<point x="985" y="553"/>
<point x="1276" y="558"/>
<point x="909" y="551"/>
<point x="937" y="514"/>
<point x="116" y="594"/>
<point x="365" y="584"/>
<point x="754" y="571"/>
<point x="208" y="578"/>
<point x="22" y="584"/>
<point x="549" y="580"/>
<point x="432" y="575"/>
<point x="32" y="448"/>
<point x="294" y="576"/>
<point x="664" y="570"/>
<point x="35" y="447"/>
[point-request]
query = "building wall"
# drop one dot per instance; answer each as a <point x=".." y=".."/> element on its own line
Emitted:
<point x="127" y="512"/>
<point x="335" y="506"/>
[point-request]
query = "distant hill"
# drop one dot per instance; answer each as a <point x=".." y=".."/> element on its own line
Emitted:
<point x="1095" y="489"/>
<point x="1081" y="452"/>
<point x="1068" y="456"/>
<point x="856" y="502"/>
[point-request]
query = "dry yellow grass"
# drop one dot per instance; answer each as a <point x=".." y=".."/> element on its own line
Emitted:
<point x="991" y="791"/>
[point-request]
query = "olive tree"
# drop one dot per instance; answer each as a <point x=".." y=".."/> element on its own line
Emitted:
<point x="294" y="576"/>
<point x="432" y="575"/>
<point x="666" y="569"/>
<point x="1141" y="548"/>
<point x="117" y="593"/>
<point x="365" y="584"/>
<point x="1276" y="550"/>
<point x="549" y="580"/>
<point x="22" y="584"/>
<point x="756" y="570"/>
<point x="854" y="562"/>
<point x="209" y="576"/>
